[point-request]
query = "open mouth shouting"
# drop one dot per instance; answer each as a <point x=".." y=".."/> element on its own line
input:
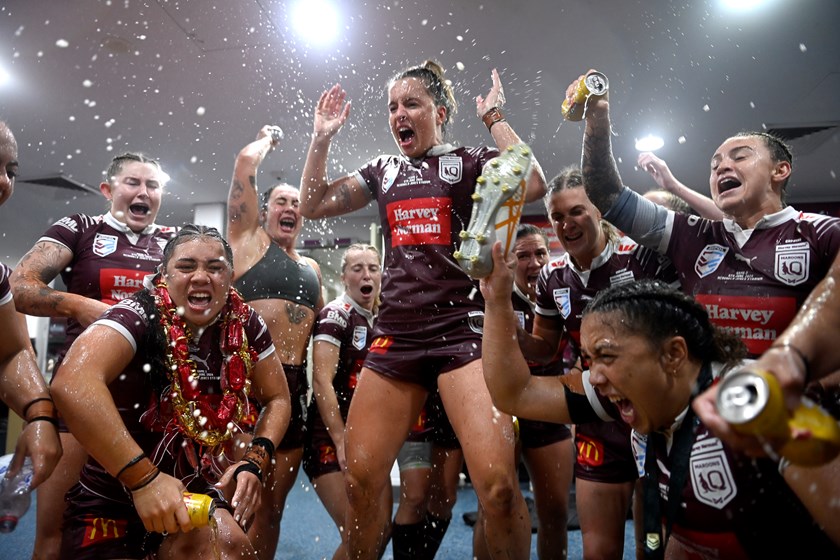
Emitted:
<point x="200" y="302"/>
<point x="727" y="184"/>
<point x="405" y="136"/>
<point x="625" y="408"/>
<point x="366" y="290"/>
<point x="288" y="224"/>
<point x="139" y="210"/>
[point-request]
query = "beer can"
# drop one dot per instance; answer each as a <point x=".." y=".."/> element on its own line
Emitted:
<point x="200" y="507"/>
<point x="751" y="400"/>
<point x="593" y="83"/>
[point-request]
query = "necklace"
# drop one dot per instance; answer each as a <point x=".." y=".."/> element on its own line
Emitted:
<point x="209" y="419"/>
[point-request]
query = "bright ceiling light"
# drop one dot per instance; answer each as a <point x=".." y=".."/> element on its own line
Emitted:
<point x="649" y="143"/>
<point x="315" y="21"/>
<point x="741" y="4"/>
<point x="5" y="77"/>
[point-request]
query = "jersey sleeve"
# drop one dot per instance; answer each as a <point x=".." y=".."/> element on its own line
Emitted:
<point x="332" y="325"/>
<point x="127" y="318"/>
<point x="259" y="336"/>
<point x="646" y="222"/>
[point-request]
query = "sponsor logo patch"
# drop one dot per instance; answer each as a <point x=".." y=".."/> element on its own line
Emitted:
<point x="475" y="320"/>
<point x="590" y="452"/>
<point x="755" y="320"/>
<point x="709" y="259"/>
<point x="520" y="318"/>
<point x="563" y="301"/>
<point x="792" y="263"/>
<point x="99" y="529"/>
<point x="380" y="344"/>
<point x="359" y="337"/>
<point x="420" y="221"/>
<point x="450" y="168"/>
<point x="116" y="284"/>
<point x="104" y="245"/>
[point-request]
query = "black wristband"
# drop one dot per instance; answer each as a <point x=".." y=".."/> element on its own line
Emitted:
<point x="33" y="401"/>
<point x="248" y="467"/>
<point x="265" y="443"/>
<point x="49" y="419"/>
<point x="131" y="464"/>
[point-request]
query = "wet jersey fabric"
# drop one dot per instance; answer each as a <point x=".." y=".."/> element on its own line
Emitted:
<point x="563" y="291"/>
<point x="423" y="206"/>
<point x="732" y="505"/>
<point x="752" y="282"/>
<point x="109" y="260"/>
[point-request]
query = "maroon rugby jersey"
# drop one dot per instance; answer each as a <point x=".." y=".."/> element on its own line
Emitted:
<point x="423" y="206"/>
<point x="109" y="260"/>
<point x="732" y="505"/>
<point x="563" y="291"/>
<point x="5" y="289"/>
<point x="753" y="283"/>
<point x="346" y="324"/>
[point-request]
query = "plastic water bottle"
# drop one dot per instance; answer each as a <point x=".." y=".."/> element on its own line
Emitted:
<point x="15" y="493"/>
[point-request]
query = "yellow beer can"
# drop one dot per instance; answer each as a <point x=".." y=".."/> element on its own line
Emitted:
<point x="200" y="507"/>
<point x="593" y="83"/>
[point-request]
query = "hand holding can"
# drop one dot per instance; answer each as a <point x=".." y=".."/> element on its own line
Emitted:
<point x="751" y="401"/>
<point x="593" y="84"/>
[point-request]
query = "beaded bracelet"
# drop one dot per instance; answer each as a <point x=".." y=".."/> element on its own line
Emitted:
<point x="492" y="116"/>
<point x="798" y="352"/>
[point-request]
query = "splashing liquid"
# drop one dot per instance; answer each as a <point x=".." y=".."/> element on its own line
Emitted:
<point x="214" y="538"/>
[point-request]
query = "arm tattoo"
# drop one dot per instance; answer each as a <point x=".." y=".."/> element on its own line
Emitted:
<point x="600" y="172"/>
<point x="343" y="195"/>
<point x="253" y="181"/>
<point x="38" y="268"/>
<point x="295" y="313"/>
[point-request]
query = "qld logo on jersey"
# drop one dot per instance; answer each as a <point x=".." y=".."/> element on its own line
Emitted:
<point x="792" y="263"/>
<point x="710" y="259"/>
<point x="711" y="477"/>
<point x="390" y="176"/>
<point x="104" y="245"/>
<point x="449" y="168"/>
<point x="563" y="301"/>
<point x="359" y="337"/>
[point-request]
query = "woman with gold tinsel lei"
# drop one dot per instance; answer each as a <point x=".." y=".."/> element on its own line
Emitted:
<point x="156" y="391"/>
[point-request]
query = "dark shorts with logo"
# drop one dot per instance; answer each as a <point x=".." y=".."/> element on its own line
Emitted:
<point x="319" y="457"/>
<point x="298" y="389"/>
<point x="99" y="528"/>
<point x="421" y="362"/>
<point x="604" y="453"/>
<point x="534" y="433"/>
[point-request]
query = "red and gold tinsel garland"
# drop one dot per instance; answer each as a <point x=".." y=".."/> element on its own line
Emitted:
<point x="208" y="419"/>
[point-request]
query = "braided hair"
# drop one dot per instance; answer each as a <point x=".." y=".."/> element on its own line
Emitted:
<point x="655" y="310"/>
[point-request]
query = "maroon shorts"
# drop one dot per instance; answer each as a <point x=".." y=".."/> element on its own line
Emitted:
<point x="604" y="453"/>
<point x="319" y="457"/>
<point x="298" y="389"/>
<point x="534" y="433"/>
<point x="419" y="361"/>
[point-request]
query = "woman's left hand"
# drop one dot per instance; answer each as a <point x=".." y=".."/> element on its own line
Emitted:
<point x="495" y="97"/>
<point x="247" y="493"/>
<point x="498" y="285"/>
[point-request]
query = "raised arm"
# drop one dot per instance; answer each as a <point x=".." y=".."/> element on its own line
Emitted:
<point x="320" y="197"/>
<point x="600" y="172"/>
<point x="513" y="389"/>
<point x="488" y="110"/>
<point x="33" y="296"/>
<point x="23" y="389"/>
<point x="658" y="169"/>
<point x="82" y="396"/>
<point x="243" y="197"/>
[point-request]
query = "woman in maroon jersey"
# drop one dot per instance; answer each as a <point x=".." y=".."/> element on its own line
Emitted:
<point x="102" y="260"/>
<point x="428" y="333"/>
<point x="342" y="338"/>
<point x="651" y="349"/>
<point x="193" y="354"/>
